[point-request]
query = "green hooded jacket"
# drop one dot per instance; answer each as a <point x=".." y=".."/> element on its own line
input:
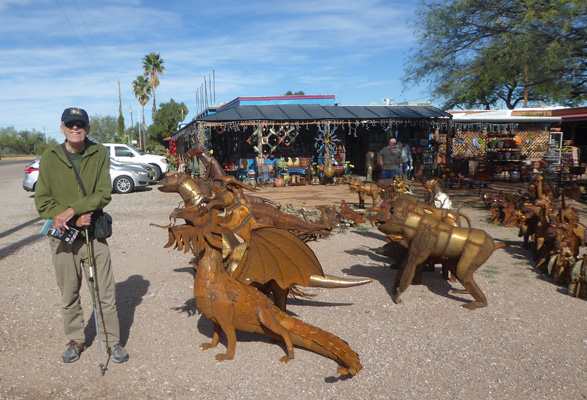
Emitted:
<point x="57" y="187"/>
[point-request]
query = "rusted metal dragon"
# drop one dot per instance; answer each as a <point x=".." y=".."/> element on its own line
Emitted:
<point x="265" y="211"/>
<point x="465" y="249"/>
<point x="275" y="261"/>
<point x="232" y="306"/>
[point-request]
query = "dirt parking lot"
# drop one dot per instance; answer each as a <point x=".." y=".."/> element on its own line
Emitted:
<point x="529" y="343"/>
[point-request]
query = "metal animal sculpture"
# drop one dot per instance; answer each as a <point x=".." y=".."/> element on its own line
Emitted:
<point x="448" y="217"/>
<point x="435" y="196"/>
<point x="265" y="211"/>
<point x="275" y="260"/>
<point x="349" y="214"/>
<point x="393" y="188"/>
<point x="232" y="306"/>
<point x="269" y="215"/>
<point x="558" y="238"/>
<point x="578" y="285"/>
<point x="466" y="249"/>
<point x="363" y="189"/>
<point x="213" y="167"/>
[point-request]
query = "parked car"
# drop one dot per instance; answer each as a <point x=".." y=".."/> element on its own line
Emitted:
<point x="124" y="178"/>
<point x="125" y="153"/>
<point x="151" y="169"/>
<point x="31" y="174"/>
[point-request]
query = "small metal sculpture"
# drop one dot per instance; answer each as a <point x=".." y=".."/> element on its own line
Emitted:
<point x="394" y="187"/>
<point x="361" y="188"/>
<point x="435" y="196"/>
<point x="465" y="249"/>
<point x="349" y="214"/>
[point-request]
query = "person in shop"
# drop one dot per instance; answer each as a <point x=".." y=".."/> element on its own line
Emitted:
<point x="407" y="162"/>
<point x="390" y="160"/>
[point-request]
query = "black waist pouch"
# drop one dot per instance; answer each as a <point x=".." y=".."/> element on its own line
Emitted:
<point x="102" y="224"/>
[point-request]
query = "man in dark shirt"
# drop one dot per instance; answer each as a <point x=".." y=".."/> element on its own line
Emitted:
<point x="390" y="160"/>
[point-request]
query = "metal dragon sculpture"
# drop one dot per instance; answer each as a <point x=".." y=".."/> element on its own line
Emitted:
<point x="232" y="305"/>
<point x="275" y="261"/>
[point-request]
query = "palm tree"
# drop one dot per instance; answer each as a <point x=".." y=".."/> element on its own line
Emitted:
<point x="153" y="66"/>
<point x="142" y="90"/>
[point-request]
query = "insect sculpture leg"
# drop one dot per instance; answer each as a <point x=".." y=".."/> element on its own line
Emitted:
<point x="476" y="251"/>
<point x="407" y="273"/>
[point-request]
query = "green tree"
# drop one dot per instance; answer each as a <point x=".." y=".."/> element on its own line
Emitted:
<point x="44" y="145"/>
<point x="13" y="142"/>
<point x="132" y="134"/>
<point x="478" y="53"/>
<point x="153" y="67"/>
<point x="104" y="129"/>
<point x="142" y="91"/>
<point x="298" y="93"/>
<point x="166" y="120"/>
<point x="121" y="132"/>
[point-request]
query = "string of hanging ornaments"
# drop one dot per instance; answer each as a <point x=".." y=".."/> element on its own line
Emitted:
<point x="352" y="126"/>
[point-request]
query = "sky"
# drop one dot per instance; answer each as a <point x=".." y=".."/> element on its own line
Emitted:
<point x="56" y="54"/>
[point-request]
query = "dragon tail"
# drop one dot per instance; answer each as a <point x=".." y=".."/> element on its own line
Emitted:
<point x="322" y="342"/>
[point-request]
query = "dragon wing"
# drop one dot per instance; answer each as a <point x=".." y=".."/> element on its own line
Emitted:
<point x="277" y="254"/>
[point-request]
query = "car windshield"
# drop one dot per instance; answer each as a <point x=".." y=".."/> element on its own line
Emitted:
<point x="135" y="149"/>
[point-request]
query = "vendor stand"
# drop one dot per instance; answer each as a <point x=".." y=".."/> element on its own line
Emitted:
<point x="260" y="134"/>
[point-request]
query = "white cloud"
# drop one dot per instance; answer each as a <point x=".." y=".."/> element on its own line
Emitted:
<point x="255" y="47"/>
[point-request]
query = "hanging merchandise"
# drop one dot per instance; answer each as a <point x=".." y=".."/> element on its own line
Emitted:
<point x="173" y="153"/>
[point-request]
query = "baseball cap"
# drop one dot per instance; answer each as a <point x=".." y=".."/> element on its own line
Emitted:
<point x="74" y="114"/>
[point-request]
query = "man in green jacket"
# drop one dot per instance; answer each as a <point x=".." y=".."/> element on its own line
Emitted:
<point x="59" y="197"/>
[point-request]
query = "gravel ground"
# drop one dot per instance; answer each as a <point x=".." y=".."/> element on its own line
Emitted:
<point x="529" y="343"/>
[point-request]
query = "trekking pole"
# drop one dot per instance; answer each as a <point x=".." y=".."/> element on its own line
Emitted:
<point x="91" y="279"/>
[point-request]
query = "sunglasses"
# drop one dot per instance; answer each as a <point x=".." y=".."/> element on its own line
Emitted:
<point x="79" y="124"/>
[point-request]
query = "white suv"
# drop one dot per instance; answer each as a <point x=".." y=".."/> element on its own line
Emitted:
<point x="125" y="153"/>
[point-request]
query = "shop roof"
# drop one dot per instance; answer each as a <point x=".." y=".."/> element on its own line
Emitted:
<point x="314" y="112"/>
<point x="502" y="116"/>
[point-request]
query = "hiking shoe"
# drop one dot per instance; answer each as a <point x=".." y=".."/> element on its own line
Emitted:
<point x="118" y="354"/>
<point x="73" y="351"/>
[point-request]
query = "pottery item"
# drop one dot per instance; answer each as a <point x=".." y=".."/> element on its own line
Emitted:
<point x="329" y="171"/>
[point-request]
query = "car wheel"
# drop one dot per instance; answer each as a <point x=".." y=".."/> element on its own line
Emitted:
<point x="157" y="171"/>
<point x="123" y="184"/>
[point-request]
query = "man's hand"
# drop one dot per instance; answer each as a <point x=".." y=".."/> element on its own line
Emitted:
<point x="84" y="220"/>
<point x="60" y="221"/>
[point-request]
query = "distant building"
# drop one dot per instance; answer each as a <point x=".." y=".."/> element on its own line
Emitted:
<point x="417" y="103"/>
<point x="321" y="99"/>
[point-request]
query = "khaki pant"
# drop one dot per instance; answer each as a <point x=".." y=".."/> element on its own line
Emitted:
<point x="69" y="260"/>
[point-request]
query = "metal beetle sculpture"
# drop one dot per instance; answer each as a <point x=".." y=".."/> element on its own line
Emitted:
<point x="465" y="249"/>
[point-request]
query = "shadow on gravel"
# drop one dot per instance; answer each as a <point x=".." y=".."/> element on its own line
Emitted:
<point x="516" y="249"/>
<point x="385" y="275"/>
<point x="11" y="248"/>
<point x="129" y="294"/>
